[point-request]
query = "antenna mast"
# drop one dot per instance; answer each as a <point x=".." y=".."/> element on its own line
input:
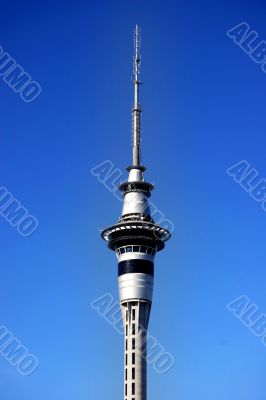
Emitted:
<point x="136" y="112"/>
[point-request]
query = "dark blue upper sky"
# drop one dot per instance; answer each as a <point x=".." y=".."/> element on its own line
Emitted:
<point x="204" y="110"/>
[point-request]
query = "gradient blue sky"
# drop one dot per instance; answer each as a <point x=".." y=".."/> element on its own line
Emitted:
<point x="204" y="110"/>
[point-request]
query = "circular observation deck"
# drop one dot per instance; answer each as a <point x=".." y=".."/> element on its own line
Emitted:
<point x="137" y="233"/>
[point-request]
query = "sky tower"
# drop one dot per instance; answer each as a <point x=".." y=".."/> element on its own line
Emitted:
<point x="135" y="239"/>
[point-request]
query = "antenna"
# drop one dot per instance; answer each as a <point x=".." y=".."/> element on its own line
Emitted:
<point x="136" y="112"/>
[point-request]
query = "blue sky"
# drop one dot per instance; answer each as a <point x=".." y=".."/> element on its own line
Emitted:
<point x="204" y="111"/>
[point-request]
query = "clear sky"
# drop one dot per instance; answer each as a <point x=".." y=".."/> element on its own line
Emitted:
<point x="204" y="101"/>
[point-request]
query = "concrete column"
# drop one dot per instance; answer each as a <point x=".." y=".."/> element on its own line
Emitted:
<point x="136" y="318"/>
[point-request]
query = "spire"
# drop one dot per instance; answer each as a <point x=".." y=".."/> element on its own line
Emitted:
<point x="136" y="112"/>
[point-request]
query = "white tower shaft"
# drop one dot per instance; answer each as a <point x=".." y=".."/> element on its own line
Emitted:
<point x="136" y="317"/>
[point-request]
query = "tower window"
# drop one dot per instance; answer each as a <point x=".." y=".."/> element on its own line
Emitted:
<point x="133" y="314"/>
<point x="133" y="358"/>
<point x="122" y="250"/>
<point x="126" y="344"/>
<point x="133" y="388"/>
<point x="126" y="389"/>
<point x="126" y="374"/>
<point x="126" y="329"/>
<point x="133" y="373"/>
<point x="133" y="344"/>
<point x="126" y="359"/>
<point x="133" y="329"/>
<point x="129" y="249"/>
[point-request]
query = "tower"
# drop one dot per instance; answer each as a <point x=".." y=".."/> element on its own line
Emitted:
<point x="136" y="240"/>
